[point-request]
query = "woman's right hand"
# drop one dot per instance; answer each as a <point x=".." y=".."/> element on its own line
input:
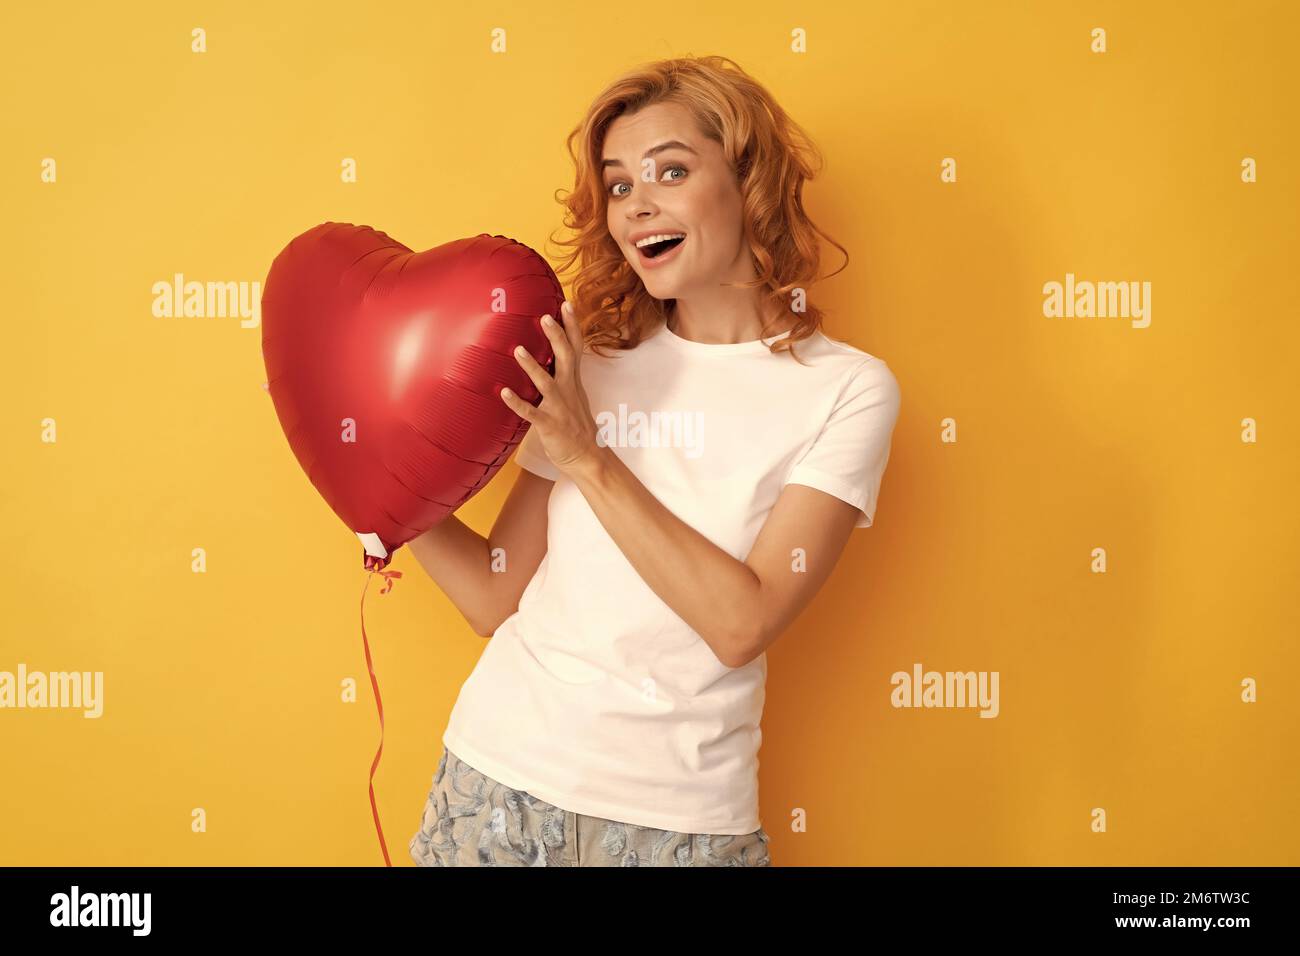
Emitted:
<point x="565" y="425"/>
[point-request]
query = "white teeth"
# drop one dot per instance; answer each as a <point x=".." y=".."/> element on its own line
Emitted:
<point x="659" y="238"/>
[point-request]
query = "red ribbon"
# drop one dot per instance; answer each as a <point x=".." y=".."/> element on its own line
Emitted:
<point x="374" y="566"/>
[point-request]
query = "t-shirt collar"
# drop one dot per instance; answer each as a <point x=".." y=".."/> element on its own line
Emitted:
<point x="690" y="346"/>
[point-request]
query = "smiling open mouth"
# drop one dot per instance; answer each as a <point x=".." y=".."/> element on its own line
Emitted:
<point x="656" y="249"/>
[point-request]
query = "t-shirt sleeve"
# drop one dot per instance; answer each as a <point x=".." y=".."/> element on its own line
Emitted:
<point x="531" y="456"/>
<point x="849" y="455"/>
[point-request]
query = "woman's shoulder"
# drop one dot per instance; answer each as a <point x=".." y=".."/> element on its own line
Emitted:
<point x="851" y="368"/>
<point x="849" y="354"/>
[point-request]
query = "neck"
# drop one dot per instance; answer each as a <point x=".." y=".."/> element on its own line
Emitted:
<point x="730" y="316"/>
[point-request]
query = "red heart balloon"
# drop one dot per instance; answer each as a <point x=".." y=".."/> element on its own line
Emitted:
<point x="386" y="367"/>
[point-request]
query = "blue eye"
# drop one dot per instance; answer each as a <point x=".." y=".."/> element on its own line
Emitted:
<point x="667" y="169"/>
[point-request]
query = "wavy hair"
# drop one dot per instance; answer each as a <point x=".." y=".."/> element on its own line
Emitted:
<point x="772" y="158"/>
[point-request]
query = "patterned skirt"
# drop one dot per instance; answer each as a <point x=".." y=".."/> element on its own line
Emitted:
<point x="472" y="820"/>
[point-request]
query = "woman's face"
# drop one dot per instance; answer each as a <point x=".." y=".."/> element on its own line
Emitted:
<point x="686" y="187"/>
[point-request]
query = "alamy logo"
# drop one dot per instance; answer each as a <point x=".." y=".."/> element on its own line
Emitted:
<point x="1098" y="300"/>
<point x="84" y="689"/>
<point x="208" y="300"/>
<point x="656" y="429"/>
<point x="102" y="909"/>
<point x="946" y="689"/>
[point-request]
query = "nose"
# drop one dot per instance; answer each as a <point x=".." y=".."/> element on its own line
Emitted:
<point x="640" y="207"/>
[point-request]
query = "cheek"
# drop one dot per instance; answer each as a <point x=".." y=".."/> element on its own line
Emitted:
<point x="720" y="241"/>
<point x="718" y="218"/>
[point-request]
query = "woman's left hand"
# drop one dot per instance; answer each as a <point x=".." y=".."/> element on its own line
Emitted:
<point x="563" y="418"/>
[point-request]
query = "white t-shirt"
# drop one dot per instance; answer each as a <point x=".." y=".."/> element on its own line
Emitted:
<point x="595" y="696"/>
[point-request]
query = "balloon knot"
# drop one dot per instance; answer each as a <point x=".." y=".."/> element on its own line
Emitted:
<point x="376" y="565"/>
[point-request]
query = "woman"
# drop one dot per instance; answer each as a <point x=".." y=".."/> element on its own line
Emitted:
<point x="681" y="499"/>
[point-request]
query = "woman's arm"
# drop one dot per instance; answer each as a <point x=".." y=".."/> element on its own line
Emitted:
<point x="485" y="577"/>
<point x="737" y="607"/>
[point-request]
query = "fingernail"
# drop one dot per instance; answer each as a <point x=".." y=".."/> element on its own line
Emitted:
<point x="547" y="320"/>
<point x="506" y="391"/>
<point x="520" y="350"/>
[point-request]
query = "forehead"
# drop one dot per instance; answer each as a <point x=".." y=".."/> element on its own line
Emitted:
<point x="631" y="134"/>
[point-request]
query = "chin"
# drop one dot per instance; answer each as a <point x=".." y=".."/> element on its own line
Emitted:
<point x="657" y="289"/>
<point x="661" y="287"/>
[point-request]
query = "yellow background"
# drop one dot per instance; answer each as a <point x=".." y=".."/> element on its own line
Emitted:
<point x="1118" y="690"/>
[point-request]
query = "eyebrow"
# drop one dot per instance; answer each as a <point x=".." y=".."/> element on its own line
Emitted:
<point x="671" y="144"/>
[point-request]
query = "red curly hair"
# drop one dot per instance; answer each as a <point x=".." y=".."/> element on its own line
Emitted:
<point x="772" y="157"/>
